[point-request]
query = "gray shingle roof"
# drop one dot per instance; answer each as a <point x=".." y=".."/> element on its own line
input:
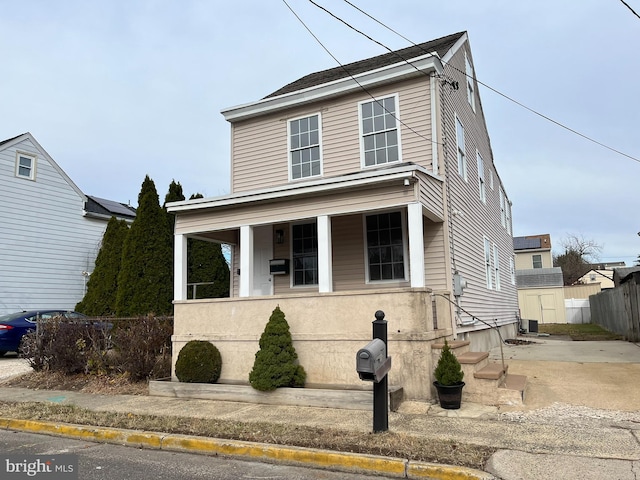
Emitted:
<point x="539" y="277"/>
<point x="439" y="45"/>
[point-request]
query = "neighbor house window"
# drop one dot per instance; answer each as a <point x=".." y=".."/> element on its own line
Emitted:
<point x="304" y="147"/>
<point x="304" y="239"/>
<point x="25" y="166"/>
<point x="537" y="261"/>
<point x="462" y="159"/>
<point x="470" y="75"/>
<point x="496" y="266"/>
<point x="380" y="136"/>
<point x="487" y="262"/>
<point x="481" y="184"/>
<point x="385" y="246"/>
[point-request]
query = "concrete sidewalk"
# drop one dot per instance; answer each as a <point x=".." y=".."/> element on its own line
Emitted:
<point x="555" y="435"/>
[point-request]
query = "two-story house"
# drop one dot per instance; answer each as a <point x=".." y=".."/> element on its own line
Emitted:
<point x="365" y="187"/>
<point x="50" y="232"/>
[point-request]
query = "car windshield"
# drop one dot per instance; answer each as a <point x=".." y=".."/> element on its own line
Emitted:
<point x="11" y="316"/>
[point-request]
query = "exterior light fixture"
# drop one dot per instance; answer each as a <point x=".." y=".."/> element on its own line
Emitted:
<point x="279" y="236"/>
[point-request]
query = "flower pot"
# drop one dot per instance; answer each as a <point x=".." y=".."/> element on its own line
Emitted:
<point x="449" y="395"/>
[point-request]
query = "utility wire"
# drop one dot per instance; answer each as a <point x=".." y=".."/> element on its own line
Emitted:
<point x="549" y="119"/>
<point x="362" y="87"/>
<point x="629" y="7"/>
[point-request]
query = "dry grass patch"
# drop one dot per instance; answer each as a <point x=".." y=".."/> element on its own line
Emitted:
<point x="386" y="444"/>
<point x="579" y="331"/>
<point x="97" y="384"/>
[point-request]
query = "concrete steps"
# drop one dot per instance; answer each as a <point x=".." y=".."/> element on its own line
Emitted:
<point x="486" y="382"/>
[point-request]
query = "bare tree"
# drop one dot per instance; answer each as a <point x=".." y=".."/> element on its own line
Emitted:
<point x="579" y="253"/>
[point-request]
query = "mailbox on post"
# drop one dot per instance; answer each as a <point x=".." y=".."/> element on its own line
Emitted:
<point x="372" y="363"/>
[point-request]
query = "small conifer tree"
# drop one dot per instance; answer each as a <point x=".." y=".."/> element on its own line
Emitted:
<point x="448" y="370"/>
<point x="276" y="362"/>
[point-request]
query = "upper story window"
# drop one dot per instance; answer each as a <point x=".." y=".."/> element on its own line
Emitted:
<point x="507" y="212"/>
<point x="304" y="147"/>
<point x="537" y="261"/>
<point x="304" y="240"/>
<point x="503" y="211"/>
<point x="385" y="246"/>
<point x="471" y="97"/>
<point x="487" y="262"/>
<point x="462" y="158"/>
<point x="380" y="135"/>
<point x="496" y="266"/>
<point x="25" y="166"/>
<point x="481" y="183"/>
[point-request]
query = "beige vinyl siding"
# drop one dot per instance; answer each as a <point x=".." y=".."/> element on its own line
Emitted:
<point x="349" y="258"/>
<point x="475" y="218"/>
<point x="524" y="260"/>
<point x="382" y="196"/>
<point x="431" y="196"/>
<point x="435" y="264"/>
<point x="259" y="145"/>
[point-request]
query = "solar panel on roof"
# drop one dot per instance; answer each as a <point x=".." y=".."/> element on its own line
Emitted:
<point x="520" y="243"/>
<point x="114" y="207"/>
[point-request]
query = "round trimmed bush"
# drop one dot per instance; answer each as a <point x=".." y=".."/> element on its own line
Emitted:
<point x="199" y="361"/>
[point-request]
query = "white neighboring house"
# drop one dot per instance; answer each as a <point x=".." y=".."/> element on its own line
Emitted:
<point x="50" y="232"/>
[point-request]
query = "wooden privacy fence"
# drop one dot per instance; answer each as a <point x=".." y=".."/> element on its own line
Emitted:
<point x="618" y="310"/>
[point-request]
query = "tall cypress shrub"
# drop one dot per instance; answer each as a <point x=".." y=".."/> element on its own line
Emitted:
<point x="276" y="363"/>
<point x="144" y="283"/>
<point x="102" y="287"/>
<point x="206" y="264"/>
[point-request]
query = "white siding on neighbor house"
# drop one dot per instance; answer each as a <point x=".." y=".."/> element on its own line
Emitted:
<point x="471" y="219"/>
<point x="259" y="146"/>
<point x="45" y="242"/>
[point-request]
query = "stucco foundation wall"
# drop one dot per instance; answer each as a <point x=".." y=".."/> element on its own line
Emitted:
<point x="327" y="332"/>
<point x="485" y="340"/>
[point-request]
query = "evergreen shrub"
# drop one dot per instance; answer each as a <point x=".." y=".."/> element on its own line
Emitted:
<point x="448" y="370"/>
<point x="199" y="361"/>
<point x="276" y="363"/>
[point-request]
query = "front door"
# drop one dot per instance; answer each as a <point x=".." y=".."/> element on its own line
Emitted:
<point x="262" y="253"/>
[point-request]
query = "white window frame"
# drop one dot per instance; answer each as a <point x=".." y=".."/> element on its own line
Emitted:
<point x="508" y="214"/>
<point x="481" y="182"/>
<point x="460" y="148"/>
<point x="533" y="260"/>
<point x="487" y="262"/>
<point x="496" y="266"/>
<point x="503" y="213"/>
<point x="405" y="249"/>
<point x="396" y="118"/>
<point x="32" y="167"/>
<point x="512" y="270"/>
<point x="470" y="75"/>
<point x="490" y="179"/>
<point x="290" y="149"/>
<point x="293" y="265"/>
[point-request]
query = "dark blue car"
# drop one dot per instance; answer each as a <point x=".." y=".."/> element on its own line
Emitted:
<point x="16" y="325"/>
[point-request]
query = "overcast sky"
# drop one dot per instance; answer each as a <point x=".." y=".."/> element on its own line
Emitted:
<point x="115" y="90"/>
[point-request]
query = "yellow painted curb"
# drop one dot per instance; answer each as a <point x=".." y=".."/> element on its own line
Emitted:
<point x="319" y="458"/>
<point x="444" y="472"/>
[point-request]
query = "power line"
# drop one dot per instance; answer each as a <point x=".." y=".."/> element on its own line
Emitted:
<point x="362" y="87"/>
<point x="629" y="7"/>
<point x="549" y="119"/>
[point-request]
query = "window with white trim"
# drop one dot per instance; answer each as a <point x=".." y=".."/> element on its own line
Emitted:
<point x="304" y="147"/>
<point x="503" y="212"/>
<point x="487" y="262"/>
<point x="379" y="131"/>
<point x="25" y="166"/>
<point x="537" y="261"/>
<point x="471" y="97"/>
<point x="512" y="270"/>
<point x="304" y="244"/>
<point x="491" y="179"/>
<point x="481" y="184"/>
<point x="462" y="159"/>
<point x="385" y="246"/>
<point x="507" y="211"/>
<point x="496" y="266"/>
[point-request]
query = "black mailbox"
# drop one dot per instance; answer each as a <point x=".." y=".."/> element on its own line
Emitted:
<point x="279" y="266"/>
<point x="372" y="363"/>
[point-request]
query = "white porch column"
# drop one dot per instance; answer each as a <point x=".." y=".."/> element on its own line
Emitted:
<point x="325" y="271"/>
<point x="180" y="267"/>
<point x="246" y="261"/>
<point x="416" y="244"/>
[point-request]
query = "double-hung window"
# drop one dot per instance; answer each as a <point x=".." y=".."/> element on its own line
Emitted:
<point x="503" y="210"/>
<point x="487" y="262"/>
<point x="304" y="239"/>
<point x="385" y="246"/>
<point x="471" y="97"/>
<point x="462" y="158"/>
<point x="512" y="270"/>
<point x="304" y="147"/>
<point x="537" y="261"/>
<point x="380" y="135"/>
<point x="25" y="166"/>
<point x="496" y="266"/>
<point x="481" y="183"/>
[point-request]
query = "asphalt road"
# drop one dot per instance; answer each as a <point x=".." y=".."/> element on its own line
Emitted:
<point x="98" y="461"/>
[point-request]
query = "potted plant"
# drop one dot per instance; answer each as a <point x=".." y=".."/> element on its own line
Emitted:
<point x="449" y="375"/>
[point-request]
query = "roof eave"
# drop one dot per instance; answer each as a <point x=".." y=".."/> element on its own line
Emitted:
<point x="425" y="64"/>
